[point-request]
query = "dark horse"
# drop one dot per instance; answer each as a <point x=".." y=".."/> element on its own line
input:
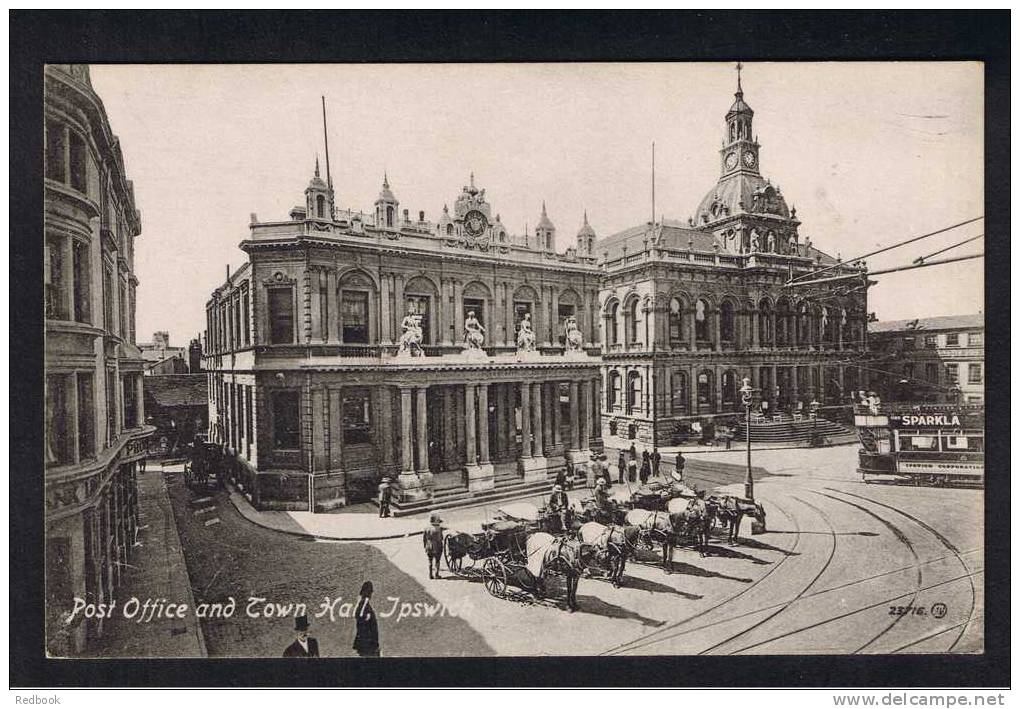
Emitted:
<point x="562" y="555"/>
<point x="612" y="545"/>
<point x="730" y="511"/>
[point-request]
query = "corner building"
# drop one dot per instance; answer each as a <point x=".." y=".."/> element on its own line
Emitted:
<point x="95" y="432"/>
<point x="310" y="399"/>
<point x="689" y="309"/>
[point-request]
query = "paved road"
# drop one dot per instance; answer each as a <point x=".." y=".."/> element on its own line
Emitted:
<point x="843" y="568"/>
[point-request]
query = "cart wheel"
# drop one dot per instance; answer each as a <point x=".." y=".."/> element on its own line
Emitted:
<point x="494" y="576"/>
<point x="454" y="564"/>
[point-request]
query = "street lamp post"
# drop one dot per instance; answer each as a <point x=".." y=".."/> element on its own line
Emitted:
<point x="746" y="397"/>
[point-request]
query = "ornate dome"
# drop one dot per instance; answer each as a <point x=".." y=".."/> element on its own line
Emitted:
<point x="543" y="221"/>
<point x="586" y="229"/>
<point x="385" y="194"/>
<point x="742" y="192"/>
<point x="317" y="182"/>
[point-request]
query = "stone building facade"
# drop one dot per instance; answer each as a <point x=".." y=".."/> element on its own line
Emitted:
<point x="940" y="359"/>
<point x="312" y="397"/>
<point x="690" y="309"/>
<point x="95" y="432"/>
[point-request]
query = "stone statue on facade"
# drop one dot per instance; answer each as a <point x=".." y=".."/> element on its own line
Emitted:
<point x="525" y="335"/>
<point x="574" y="338"/>
<point x="411" y="337"/>
<point x="474" y="333"/>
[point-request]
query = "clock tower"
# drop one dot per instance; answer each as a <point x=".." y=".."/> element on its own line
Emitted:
<point x="740" y="150"/>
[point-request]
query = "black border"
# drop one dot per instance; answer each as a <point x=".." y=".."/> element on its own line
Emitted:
<point x="157" y="37"/>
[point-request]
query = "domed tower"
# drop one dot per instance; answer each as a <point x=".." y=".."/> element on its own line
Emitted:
<point x="318" y="198"/>
<point x="744" y="211"/>
<point x="386" y="206"/>
<point x="545" y="232"/>
<point x="586" y="238"/>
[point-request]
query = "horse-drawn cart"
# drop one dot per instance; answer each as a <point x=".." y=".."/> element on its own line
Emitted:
<point x="204" y="466"/>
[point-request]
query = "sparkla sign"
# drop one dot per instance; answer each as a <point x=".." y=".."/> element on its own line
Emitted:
<point x="942" y="420"/>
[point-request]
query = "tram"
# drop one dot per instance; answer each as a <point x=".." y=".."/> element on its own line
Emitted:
<point x="922" y="444"/>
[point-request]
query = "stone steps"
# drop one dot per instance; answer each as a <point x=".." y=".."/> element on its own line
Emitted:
<point x="790" y="431"/>
<point x="510" y="487"/>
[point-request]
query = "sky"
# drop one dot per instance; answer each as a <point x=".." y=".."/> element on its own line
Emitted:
<point x="869" y="153"/>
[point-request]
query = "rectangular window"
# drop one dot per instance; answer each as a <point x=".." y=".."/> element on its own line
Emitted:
<point x="357" y="417"/>
<point x="908" y="343"/>
<point x="952" y="373"/>
<point x="930" y="341"/>
<point x="419" y="305"/>
<point x="931" y="372"/>
<point x="111" y="406"/>
<point x="56" y="169"/>
<point x="130" y="409"/>
<point x="248" y="420"/>
<point x="286" y="419"/>
<point x="354" y="314"/>
<point x="58" y="419"/>
<point x="953" y="339"/>
<point x="975" y="339"/>
<point x="54" y="281"/>
<point x="122" y="302"/>
<point x="82" y="282"/>
<point x="245" y="326"/>
<point x="974" y="373"/>
<point x="86" y="417"/>
<point x="281" y="316"/>
<point x="323" y="304"/>
<point x="79" y="152"/>
<point x="108" y="292"/>
<point x="237" y="319"/>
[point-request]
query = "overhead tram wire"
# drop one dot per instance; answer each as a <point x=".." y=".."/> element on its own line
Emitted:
<point x="884" y="249"/>
<point x="922" y="259"/>
<point x="925" y="264"/>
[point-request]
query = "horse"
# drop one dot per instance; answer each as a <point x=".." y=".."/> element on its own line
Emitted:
<point x="697" y="521"/>
<point x="613" y="514"/>
<point x="563" y="555"/>
<point x="614" y="543"/>
<point x="664" y="528"/>
<point x="730" y="511"/>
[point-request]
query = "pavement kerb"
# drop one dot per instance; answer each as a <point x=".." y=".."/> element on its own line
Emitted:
<point x="246" y="510"/>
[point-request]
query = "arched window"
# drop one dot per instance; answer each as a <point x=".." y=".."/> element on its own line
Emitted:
<point x="632" y="324"/>
<point x="765" y="334"/>
<point x="701" y="321"/>
<point x="680" y="396"/>
<point x="633" y="392"/>
<point x="726" y="322"/>
<point x="705" y="394"/>
<point x="614" y="324"/>
<point x="676" y="320"/>
<point x="804" y="325"/>
<point x="614" y="391"/>
<point x="389" y="216"/>
<point x="320" y="207"/>
<point x="449" y="229"/>
<point x="729" y="389"/>
<point x="827" y="328"/>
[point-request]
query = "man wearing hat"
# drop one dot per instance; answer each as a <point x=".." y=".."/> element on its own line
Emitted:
<point x="601" y="495"/>
<point x="303" y="646"/>
<point x="595" y="471"/>
<point x="385" y="495"/>
<point x="432" y="538"/>
<point x="559" y="503"/>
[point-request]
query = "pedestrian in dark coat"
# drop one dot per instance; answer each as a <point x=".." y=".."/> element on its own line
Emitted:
<point x="385" y="496"/>
<point x="633" y="451"/>
<point x="632" y="469"/>
<point x="561" y="477"/>
<point x="303" y="645"/>
<point x="646" y="467"/>
<point x="621" y="465"/>
<point x="680" y="465"/>
<point x="656" y="461"/>
<point x="366" y="639"/>
<point x="432" y="537"/>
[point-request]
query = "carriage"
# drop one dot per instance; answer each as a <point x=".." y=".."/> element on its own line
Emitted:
<point x="204" y="467"/>
<point x="657" y="495"/>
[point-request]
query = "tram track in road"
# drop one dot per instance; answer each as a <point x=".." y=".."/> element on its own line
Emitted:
<point x="657" y="636"/>
<point x="903" y="539"/>
<point x="799" y="596"/>
<point x="946" y="543"/>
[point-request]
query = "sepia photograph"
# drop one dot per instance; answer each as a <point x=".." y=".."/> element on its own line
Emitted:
<point x="599" y="359"/>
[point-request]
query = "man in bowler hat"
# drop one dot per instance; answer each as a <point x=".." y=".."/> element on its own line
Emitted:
<point x="432" y="538"/>
<point x="385" y="495"/>
<point x="303" y="645"/>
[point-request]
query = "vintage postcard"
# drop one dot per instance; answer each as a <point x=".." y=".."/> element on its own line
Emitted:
<point x="468" y="360"/>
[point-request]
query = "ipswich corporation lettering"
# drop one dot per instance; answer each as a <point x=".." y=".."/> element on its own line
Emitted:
<point x="930" y="420"/>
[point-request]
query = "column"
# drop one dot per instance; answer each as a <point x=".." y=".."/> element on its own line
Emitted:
<point x="693" y="392"/>
<point x="842" y="384"/>
<point x="333" y="315"/>
<point x="139" y="403"/>
<point x="449" y="422"/>
<point x="717" y="329"/>
<point x="718" y="389"/>
<point x="692" y="327"/>
<point x="773" y="339"/>
<point x="458" y="314"/>
<point x="319" y="460"/>
<point x="794" y="387"/>
<point x="548" y="401"/>
<point x="536" y="422"/>
<point x="470" y="424"/>
<point x="792" y="328"/>
<point x="586" y="414"/>
<point x="315" y="306"/>
<point x="557" y="414"/>
<point x="423" y="430"/>
<point x="445" y="314"/>
<point x="575" y="432"/>
<point x="821" y="384"/>
<point x="596" y="390"/>
<point x="483" y="423"/>
<point x="407" y="451"/>
<point x="336" y="430"/>
<point x="385" y="314"/>
<point x="772" y="385"/>
<point x="525" y="420"/>
<point x="753" y="315"/>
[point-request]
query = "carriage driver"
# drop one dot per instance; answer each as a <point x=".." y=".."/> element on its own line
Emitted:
<point x="601" y="495"/>
<point x="559" y="504"/>
<point x="432" y="538"/>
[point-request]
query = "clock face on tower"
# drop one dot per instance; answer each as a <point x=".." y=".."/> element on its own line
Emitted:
<point x="750" y="159"/>
<point x="474" y="223"/>
<point x="731" y="161"/>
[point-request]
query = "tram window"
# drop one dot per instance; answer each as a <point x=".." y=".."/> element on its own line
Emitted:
<point x="963" y="443"/>
<point x="918" y="443"/>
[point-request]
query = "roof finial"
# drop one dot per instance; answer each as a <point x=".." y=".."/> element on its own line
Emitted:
<point x="586" y="217"/>
<point x="543" y="208"/>
<point x="385" y="180"/>
<point x="739" y="89"/>
<point x="316" y="164"/>
<point x="472" y="179"/>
